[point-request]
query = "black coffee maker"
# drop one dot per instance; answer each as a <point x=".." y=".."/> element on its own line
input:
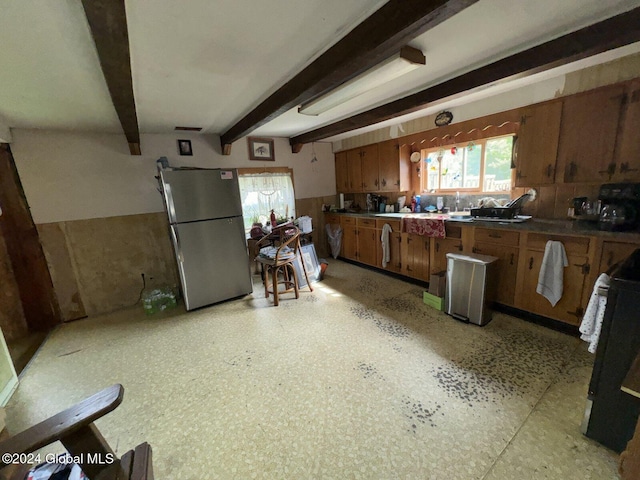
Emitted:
<point x="620" y="207"/>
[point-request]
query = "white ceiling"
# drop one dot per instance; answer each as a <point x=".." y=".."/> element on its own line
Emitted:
<point x="207" y="63"/>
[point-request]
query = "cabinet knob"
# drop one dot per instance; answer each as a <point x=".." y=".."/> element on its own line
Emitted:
<point x="549" y="170"/>
<point x="585" y="267"/>
<point x="531" y="263"/>
<point x="511" y="261"/>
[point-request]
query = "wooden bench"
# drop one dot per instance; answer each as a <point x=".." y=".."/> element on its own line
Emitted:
<point x="75" y="429"/>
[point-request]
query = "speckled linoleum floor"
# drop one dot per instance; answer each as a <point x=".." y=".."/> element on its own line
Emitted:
<point x="358" y="379"/>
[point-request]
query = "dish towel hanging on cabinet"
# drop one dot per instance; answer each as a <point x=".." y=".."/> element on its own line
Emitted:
<point x="593" y="315"/>
<point x="384" y="238"/>
<point x="550" y="279"/>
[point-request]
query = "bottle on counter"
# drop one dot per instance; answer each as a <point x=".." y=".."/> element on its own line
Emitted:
<point x="413" y="203"/>
<point x="274" y="220"/>
<point x="418" y="208"/>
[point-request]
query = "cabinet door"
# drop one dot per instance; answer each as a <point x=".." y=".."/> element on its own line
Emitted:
<point x="588" y="135"/>
<point x="537" y="146"/>
<point x="614" y="252"/>
<point x="389" y="166"/>
<point x="441" y="247"/>
<point x="395" y="255"/>
<point x="354" y="169"/>
<point x="369" y="166"/>
<point x="415" y="256"/>
<point x="569" y="309"/>
<point x="424" y="272"/>
<point x="342" y="175"/>
<point x="367" y="245"/>
<point x="395" y="242"/>
<point x="349" y="242"/>
<point x="628" y="143"/>
<point x="507" y="269"/>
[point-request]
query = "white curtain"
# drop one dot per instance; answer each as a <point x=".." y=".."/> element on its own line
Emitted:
<point x="263" y="192"/>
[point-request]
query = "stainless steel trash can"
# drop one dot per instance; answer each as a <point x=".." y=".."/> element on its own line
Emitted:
<point x="470" y="287"/>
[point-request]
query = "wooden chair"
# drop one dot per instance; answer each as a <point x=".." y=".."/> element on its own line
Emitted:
<point x="279" y="265"/>
<point x="75" y="429"/>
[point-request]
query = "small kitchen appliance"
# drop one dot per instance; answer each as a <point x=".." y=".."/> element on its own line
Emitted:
<point x="620" y="206"/>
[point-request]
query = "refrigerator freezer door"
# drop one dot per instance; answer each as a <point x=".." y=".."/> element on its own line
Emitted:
<point x="201" y="194"/>
<point x="212" y="260"/>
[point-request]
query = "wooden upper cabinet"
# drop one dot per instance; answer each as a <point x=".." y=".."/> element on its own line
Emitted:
<point x="369" y="166"/>
<point x="342" y="176"/>
<point x="354" y="169"/>
<point x="379" y="167"/>
<point x="627" y="157"/>
<point x="588" y="134"/>
<point x="537" y="145"/>
<point x="394" y="169"/>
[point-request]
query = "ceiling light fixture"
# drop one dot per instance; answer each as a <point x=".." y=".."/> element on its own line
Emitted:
<point x="406" y="60"/>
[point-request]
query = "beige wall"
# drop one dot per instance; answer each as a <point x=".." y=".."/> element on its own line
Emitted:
<point x="77" y="176"/>
<point x="100" y="217"/>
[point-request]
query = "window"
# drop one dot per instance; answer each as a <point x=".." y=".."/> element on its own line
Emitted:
<point x="263" y="192"/>
<point x="481" y="166"/>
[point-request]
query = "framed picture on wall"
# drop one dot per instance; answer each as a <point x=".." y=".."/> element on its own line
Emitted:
<point x="261" y="149"/>
<point x="184" y="147"/>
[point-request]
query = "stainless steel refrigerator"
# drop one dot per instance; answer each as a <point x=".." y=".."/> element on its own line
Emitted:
<point x="207" y="232"/>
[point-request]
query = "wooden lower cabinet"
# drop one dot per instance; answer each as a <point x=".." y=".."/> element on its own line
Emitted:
<point x="520" y="258"/>
<point x="349" y="247"/>
<point x="507" y="269"/>
<point x="570" y="307"/>
<point x="367" y="245"/>
<point x="442" y="246"/>
<point x="415" y="256"/>
<point x="395" y="242"/>
<point x="614" y="252"/>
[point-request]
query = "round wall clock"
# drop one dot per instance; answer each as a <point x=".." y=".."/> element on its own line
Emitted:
<point x="443" y="118"/>
<point x="415" y="157"/>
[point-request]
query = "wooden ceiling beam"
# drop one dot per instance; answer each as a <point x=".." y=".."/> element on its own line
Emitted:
<point x="377" y="38"/>
<point x="614" y="32"/>
<point x="108" y="23"/>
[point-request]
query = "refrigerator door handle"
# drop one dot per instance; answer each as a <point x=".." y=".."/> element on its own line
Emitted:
<point x="168" y="196"/>
<point x="180" y="258"/>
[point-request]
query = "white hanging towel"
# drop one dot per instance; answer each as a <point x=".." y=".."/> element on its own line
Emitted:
<point x="550" y="283"/>
<point x="384" y="238"/>
<point x="592" y="321"/>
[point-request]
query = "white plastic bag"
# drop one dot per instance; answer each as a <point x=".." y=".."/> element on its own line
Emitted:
<point x="334" y="233"/>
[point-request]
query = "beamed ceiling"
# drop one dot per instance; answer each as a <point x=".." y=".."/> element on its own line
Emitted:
<point x="237" y="68"/>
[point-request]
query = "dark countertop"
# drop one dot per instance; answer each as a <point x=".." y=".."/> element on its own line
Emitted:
<point x="558" y="227"/>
